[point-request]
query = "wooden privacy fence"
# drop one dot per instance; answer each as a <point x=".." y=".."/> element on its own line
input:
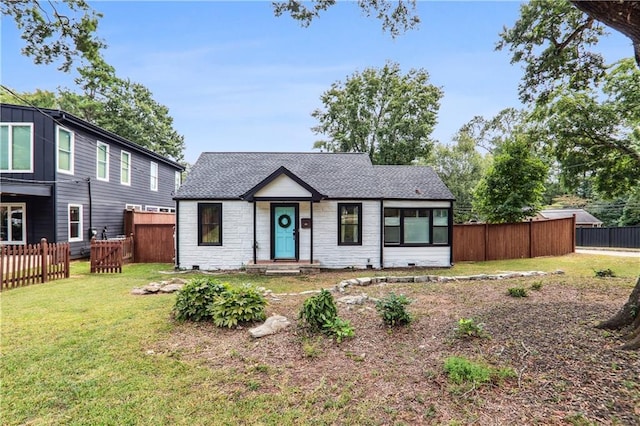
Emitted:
<point x="479" y="242"/>
<point x="22" y="265"/>
<point x="110" y="255"/>
<point x="154" y="235"/>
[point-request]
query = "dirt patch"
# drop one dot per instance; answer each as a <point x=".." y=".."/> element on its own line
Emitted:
<point x="566" y="371"/>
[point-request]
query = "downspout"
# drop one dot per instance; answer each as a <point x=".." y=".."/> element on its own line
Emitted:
<point x="311" y="232"/>
<point x="381" y="233"/>
<point x="255" y="242"/>
<point x="90" y="206"/>
<point x="451" y="259"/>
<point x="176" y="238"/>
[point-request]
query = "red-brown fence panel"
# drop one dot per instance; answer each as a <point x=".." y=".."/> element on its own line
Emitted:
<point x="478" y="242"/>
<point x="108" y="256"/>
<point x="22" y="265"/>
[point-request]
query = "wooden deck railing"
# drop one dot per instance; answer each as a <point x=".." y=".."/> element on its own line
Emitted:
<point x="22" y="265"/>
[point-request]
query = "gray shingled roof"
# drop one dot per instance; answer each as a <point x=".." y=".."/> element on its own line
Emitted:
<point x="228" y="175"/>
<point x="582" y="216"/>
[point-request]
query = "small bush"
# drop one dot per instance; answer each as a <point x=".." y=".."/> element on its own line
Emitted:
<point x="461" y="370"/>
<point x="393" y="311"/>
<point x="318" y="310"/>
<point x="517" y="292"/>
<point x="605" y="273"/>
<point x="193" y="299"/>
<point x="339" y="328"/>
<point x="238" y="305"/>
<point x="468" y="327"/>
<point x="537" y="286"/>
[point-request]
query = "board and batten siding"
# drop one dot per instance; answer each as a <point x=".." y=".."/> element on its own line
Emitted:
<point x="430" y="256"/>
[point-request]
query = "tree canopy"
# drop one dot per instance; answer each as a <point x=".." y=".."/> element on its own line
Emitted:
<point x="513" y="186"/>
<point x="383" y="112"/>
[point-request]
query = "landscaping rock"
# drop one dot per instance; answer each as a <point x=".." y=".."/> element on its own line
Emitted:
<point x="272" y="325"/>
<point x="353" y="300"/>
<point x="170" y="288"/>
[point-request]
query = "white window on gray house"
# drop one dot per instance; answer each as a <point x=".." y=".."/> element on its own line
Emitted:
<point x="125" y="168"/>
<point x="177" y="180"/>
<point x="136" y="207"/>
<point x="16" y="147"/>
<point x="65" y="142"/>
<point x="153" y="173"/>
<point x="102" y="161"/>
<point x="12" y="223"/>
<point x="75" y="222"/>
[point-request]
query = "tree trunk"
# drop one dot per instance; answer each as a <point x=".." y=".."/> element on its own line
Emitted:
<point x="623" y="16"/>
<point x="628" y="316"/>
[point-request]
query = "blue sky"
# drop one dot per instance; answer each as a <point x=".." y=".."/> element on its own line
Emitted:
<point x="236" y="78"/>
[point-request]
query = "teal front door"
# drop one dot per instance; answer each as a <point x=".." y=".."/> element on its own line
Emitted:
<point x="284" y="232"/>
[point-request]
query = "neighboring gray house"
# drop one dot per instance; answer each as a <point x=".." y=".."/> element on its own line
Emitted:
<point x="334" y="210"/>
<point x="65" y="179"/>
<point x="584" y="219"/>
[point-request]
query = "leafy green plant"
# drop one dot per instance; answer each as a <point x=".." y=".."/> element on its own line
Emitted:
<point x="517" y="292"/>
<point x="318" y="310"/>
<point x="468" y="327"/>
<point x="193" y="299"/>
<point x="461" y="370"/>
<point x="537" y="286"/>
<point x="605" y="273"/>
<point x="393" y="311"/>
<point x="238" y="305"/>
<point x="339" y="328"/>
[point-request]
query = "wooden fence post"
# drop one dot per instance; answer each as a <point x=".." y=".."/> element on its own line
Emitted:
<point x="530" y="238"/>
<point x="44" y="259"/>
<point x="486" y="240"/>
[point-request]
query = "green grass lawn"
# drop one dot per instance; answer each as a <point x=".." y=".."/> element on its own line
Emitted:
<point x="75" y="351"/>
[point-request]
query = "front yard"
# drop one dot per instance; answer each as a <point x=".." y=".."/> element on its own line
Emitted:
<point x="86" y="351"/>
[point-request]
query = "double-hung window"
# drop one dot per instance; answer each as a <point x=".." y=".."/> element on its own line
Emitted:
<point x="102" y="161"/>
<point x="209" y="224"/>
<point x="153" y="172"/>
<point x="12" y="223"/>
<point x="349" y="224"/>
<point x="75" y="222"/>
<point x="415" y="226"/>
<point x="65" y="141"/>
<point x="125" y="168"/>
<point x="16" y="147"/>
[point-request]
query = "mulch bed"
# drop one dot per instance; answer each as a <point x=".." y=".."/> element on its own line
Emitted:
<point x="567" y="371"/>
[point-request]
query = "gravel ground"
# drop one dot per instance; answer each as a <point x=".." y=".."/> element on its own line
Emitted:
<point x="565" y="370"/>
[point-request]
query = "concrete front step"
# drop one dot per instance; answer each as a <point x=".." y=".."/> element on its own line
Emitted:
<point x="282" y="272"/>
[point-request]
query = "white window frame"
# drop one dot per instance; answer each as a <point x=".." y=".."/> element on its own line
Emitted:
<point x="135" y="207"/>
<point x="10" y="148"/>
<point x="106" y="145"/>
<point x="122" y="155"/>
<point x="72" y="139"/>
<point x="177" y="180"/>
<point x="80" y="236"/>
<point x="23" y="237"/>
<point x="153" y="176"/>
<point x="159" y="209"/>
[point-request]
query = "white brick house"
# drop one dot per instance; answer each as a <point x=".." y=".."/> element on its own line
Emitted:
<point x="332" y="210"/>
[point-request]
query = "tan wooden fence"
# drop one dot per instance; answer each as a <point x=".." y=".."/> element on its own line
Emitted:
<point x="478" y="242"/>
<point x="109" y="255"/>
<point x="22" y="265"/>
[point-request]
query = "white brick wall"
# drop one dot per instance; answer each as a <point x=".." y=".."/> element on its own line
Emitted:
<point x="237" y="237"/>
